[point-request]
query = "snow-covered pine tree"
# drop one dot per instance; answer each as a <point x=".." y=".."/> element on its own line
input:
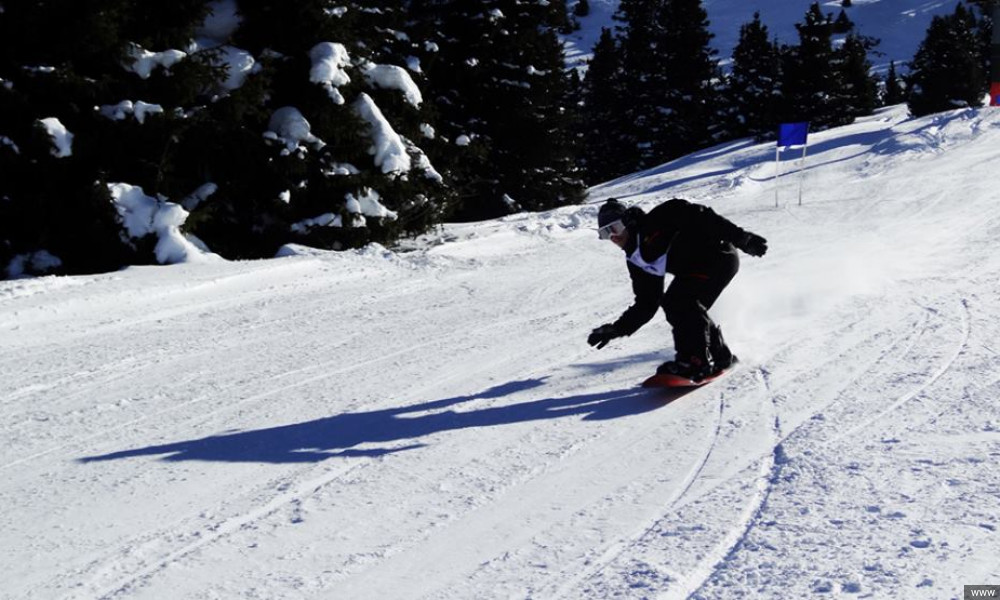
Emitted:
<point x="456" y="34"/>
<point x="947" y="71"/>
<point x="499" y="86"/>
<point x="987" y="9"/>
<point x="340" y="127"/>
<point x="389" y="57"/>
<point x="81" y="107"/>
<point x="753" y="85"/>
<point x="270" y="122"/>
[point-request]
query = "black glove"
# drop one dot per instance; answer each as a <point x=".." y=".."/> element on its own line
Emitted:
<point x="602" y="335"/>
<point x="752" y="244"/>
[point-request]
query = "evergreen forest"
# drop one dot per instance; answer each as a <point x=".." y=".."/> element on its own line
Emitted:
<point x="144" y="133"/>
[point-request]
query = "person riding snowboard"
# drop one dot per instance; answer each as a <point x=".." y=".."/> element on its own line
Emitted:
<point x="698" y="247"/>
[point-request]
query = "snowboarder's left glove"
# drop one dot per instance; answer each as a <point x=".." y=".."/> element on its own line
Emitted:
<point x="602" y="335"/>
<point x="752" y="244"/>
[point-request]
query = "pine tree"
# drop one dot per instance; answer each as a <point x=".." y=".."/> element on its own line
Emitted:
<point x="457" y="37"/>
<point x="557" y="15"/>
<point x="607" y="151"/>
<point x="894" y="92"/>
<point x="639" y="47"/>
<point x="984" y="28"/>
<point x="670" y="77"/>
<point x="311" y="192"/>
<point x="690" y="77"/>
<point x="843" y="23"/>
<point x="65" y="60"/>
<point x="754" y="83"/>
<point x="499" y="84"/>
<point x="385" y="37"/>
<point x="535" y="149"/>
<point x="947" y="71"/>
<point x="809" y="81"/>
<point x="582" y="8"/>
<point x="857" y="90"/>
<point x="210" y="128"/>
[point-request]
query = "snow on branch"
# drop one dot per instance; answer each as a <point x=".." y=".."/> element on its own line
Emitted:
<point x="329" y="61"/>
<point x="61" y="137"/>
<point x="394" y="78"/>
<point x="368" y="203"/>
<point x="289" y="127"/>
<point x="139" y="109"/>
<point x="387" y="146"/>
<point x="143" y="61"/>
<point x="142" y="215"/>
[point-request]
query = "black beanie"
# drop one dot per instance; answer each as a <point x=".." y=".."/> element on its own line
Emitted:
<point x="610" y="211"/>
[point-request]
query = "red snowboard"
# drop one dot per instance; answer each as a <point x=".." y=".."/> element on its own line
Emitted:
<point x="676" y="381"/>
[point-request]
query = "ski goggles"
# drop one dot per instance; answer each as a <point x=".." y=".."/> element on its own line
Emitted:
<point x="612" y="228"/>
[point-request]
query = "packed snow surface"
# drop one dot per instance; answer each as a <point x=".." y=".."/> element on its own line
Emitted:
<point x="431" y="424"/>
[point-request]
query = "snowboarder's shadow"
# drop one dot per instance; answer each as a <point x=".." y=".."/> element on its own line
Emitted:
<point x="387" y="431"/>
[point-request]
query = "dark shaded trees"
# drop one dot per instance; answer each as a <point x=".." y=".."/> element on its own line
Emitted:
<point x="947" y="71"/>
<point x="754" y="84"/>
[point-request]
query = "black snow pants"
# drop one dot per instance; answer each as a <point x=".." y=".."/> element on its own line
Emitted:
<point x="686" y="303"/>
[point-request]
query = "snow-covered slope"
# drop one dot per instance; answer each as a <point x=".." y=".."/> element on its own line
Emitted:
<point x="899" y="24"/>
<point x="432" y="424"/>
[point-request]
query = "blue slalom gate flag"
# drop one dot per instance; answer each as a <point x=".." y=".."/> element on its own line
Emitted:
<point x="793" y="134"/>
<point x="790" y="134"/>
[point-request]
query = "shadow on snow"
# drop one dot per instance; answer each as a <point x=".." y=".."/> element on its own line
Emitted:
<point x="397" y="429"/>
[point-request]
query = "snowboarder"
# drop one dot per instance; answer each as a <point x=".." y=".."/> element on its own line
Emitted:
<point x="698" y="247"/>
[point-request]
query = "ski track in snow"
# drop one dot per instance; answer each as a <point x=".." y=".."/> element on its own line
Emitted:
<point x="432" y="425"/>
<point x="768" y="473"/>
<point x="622" y="547"/>
<point x="759" y="485"/>
<point x="696" y="577"/>
<point x="922" y="387"/>
<point x="619" y="547"/>
<point x="203" y="537"/>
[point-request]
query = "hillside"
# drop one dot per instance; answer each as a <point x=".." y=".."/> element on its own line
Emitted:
<point x="431" y="424"/>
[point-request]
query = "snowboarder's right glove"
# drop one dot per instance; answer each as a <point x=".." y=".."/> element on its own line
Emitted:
<point x="752" y="244"/>
<point x="602" y="335"/>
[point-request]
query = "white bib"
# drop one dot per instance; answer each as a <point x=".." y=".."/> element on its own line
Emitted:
<point x="658" y="267"/>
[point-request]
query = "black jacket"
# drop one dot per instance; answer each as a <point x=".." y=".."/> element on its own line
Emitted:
<point x="695" y="242"/>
